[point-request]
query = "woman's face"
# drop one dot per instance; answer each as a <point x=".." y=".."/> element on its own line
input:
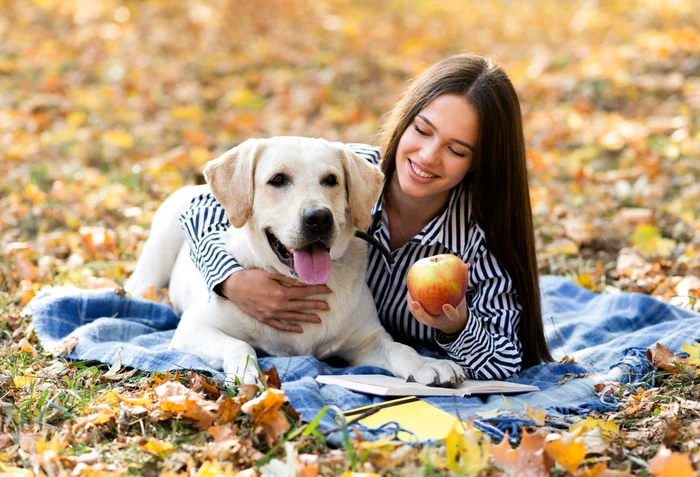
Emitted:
<point x="436" y="150"/>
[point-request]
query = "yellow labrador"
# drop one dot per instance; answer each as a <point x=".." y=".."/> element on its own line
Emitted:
<point x="295" y="205"/>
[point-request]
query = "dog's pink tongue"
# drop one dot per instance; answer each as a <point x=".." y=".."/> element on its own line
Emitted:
<point x="313" y="264"/>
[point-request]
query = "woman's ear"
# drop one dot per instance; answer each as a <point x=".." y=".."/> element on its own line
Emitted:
<point x="231" y="178"/>
<point x="364" y="184"/>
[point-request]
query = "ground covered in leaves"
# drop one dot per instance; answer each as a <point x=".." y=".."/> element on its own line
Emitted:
<point x="109" y="106"/>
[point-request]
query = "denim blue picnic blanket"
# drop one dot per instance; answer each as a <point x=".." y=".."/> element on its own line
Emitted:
<point x="607" y="334"/>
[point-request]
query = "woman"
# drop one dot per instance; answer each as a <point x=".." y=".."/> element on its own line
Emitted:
<point x="453" y="156"/>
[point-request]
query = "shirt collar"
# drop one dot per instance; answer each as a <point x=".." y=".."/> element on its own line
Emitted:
<point x="449" y="228"/>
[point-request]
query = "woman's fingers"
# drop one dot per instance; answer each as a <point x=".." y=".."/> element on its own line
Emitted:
<point x="284" y="326"/>
<point x="304" y="317"/>
<point x="451" y="312"/>
<point x="306" y="290"/>
<point x="305" y="305"/>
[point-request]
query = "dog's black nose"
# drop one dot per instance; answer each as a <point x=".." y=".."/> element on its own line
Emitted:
<point x="318" y="219"/>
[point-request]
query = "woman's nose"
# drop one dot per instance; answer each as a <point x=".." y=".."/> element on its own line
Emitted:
<point x="429" y="153"/>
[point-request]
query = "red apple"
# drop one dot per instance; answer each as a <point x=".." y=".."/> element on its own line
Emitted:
<point x="438" y="280"/>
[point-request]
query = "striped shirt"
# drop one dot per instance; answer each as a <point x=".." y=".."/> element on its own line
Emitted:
<point x="487" y="348"/>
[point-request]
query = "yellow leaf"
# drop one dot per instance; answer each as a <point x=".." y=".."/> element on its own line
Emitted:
<point x="158" y="447"/>
<point x="16" y="471"/>
<point x="471" y="447"/>
<point x="118" y="138"/>
<point x="567" y="450"/>
<point x="214" y="469"/>
<point x="537" y="416"/>
<point x="585" y="281"/>
<point x="76" y="118"/>
<point x="671" y="464"/>
<point x="104" y="414"/>
<point x="21" y="381"/>
<point x="608" y="427"/>
<point x="694" y="351"/>
<point x="200" y="155"/>
<point x="193" y="113"/>
<point x="648" y="239"/>
<point x="33" y="193"/>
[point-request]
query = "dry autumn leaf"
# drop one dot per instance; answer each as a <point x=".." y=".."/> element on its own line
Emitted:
<point x="537" y="416"/>
<point x="566" y="449"/>
<point x="467" y="451"/>
<point x="667" y="463"/>
<point x="529" y="459"/>
<point x="270" y="423"/>
<point x="663" y="358"/>
<point x="693" y="351"/>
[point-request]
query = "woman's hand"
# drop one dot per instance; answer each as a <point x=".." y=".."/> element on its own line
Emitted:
<point x="274" y="299"/>
<point x="451" y="321"/>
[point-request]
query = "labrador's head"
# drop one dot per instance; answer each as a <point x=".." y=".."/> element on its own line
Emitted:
<point x="303" y="198"/>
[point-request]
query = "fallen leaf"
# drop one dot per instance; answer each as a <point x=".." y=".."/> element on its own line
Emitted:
<point x="694" y="351"/>
<point x="66" y="346"/>
<point x="566" y="449"/>
<point x="467" y="451"/>
<point x="269" y="420"/>
<point x="671" y="464"/>
<point x="537" y="416"/>
<point x="529" y="459"/>
<point x="608" y="428"/>
<point x="662" y="358"/>
<point x="158" y="447"/>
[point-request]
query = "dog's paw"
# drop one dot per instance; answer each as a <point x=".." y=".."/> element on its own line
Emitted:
<point x="439" y="372"/>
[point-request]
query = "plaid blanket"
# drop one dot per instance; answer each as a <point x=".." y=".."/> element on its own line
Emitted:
<point x="607" y="334"/>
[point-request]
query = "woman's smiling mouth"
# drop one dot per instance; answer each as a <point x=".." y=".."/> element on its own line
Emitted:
<point x="420" y="172"/>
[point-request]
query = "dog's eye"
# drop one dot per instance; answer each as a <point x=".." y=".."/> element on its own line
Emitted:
<point x="330" y="180"/>
<point x="278" y="180"/>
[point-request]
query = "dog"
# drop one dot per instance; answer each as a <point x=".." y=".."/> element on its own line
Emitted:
<point x="295" y="205"/>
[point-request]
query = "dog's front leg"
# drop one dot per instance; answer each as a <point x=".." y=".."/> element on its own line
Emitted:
<point x="196" y="335"/>
<point x="405" y="362"/>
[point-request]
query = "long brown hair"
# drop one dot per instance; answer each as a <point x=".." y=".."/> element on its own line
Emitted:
<point x="498" y="181"/>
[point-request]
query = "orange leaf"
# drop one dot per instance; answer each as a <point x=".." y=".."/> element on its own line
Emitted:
<point x="567" y="450"/>
<point x="593" y="471"/>
<point x="222" y="433"/>
<point x="228" y="410"/>
<point x="671" y="464"/>
<point x="528" y="460"/>
<point x="270" y="422"/>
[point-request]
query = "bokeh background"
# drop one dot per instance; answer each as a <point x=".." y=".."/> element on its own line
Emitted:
<point x="108" y="106"/>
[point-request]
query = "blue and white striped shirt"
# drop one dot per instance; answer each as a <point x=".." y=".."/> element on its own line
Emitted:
<point x="488" y="347"/>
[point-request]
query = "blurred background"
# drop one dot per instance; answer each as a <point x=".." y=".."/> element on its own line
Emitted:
<point x="108" y="106"/>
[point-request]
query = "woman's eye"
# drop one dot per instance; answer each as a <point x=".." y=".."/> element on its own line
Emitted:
<point x="420" y="131"/>
<point x="331" y="180"/>
<point x="278" y="180"/>
<point x="458" y="154"/>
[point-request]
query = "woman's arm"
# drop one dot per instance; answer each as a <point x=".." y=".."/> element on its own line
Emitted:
<point x="203" y="223"/>
<point x="488" y="347"/>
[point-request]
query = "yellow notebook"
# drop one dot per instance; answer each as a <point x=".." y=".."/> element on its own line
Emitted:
<point x="423" y="419"/>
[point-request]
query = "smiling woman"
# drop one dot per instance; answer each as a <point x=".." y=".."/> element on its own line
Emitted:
<point x="453" y="157"/>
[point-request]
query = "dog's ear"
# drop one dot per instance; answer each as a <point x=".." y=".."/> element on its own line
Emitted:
<point x="231" y="178"/>
<point x="364" y="184"/>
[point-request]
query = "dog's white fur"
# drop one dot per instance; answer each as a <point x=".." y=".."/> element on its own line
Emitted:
<point x="217" y="329"/>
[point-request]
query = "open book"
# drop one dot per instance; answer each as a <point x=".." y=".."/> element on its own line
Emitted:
<point x="389" y="386"/>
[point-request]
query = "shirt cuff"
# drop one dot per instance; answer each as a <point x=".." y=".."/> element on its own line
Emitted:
<point x="215" y="285"/>
<point x="465" y="345"/>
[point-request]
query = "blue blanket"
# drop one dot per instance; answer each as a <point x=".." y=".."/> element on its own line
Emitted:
<point x="606" y="334"/>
